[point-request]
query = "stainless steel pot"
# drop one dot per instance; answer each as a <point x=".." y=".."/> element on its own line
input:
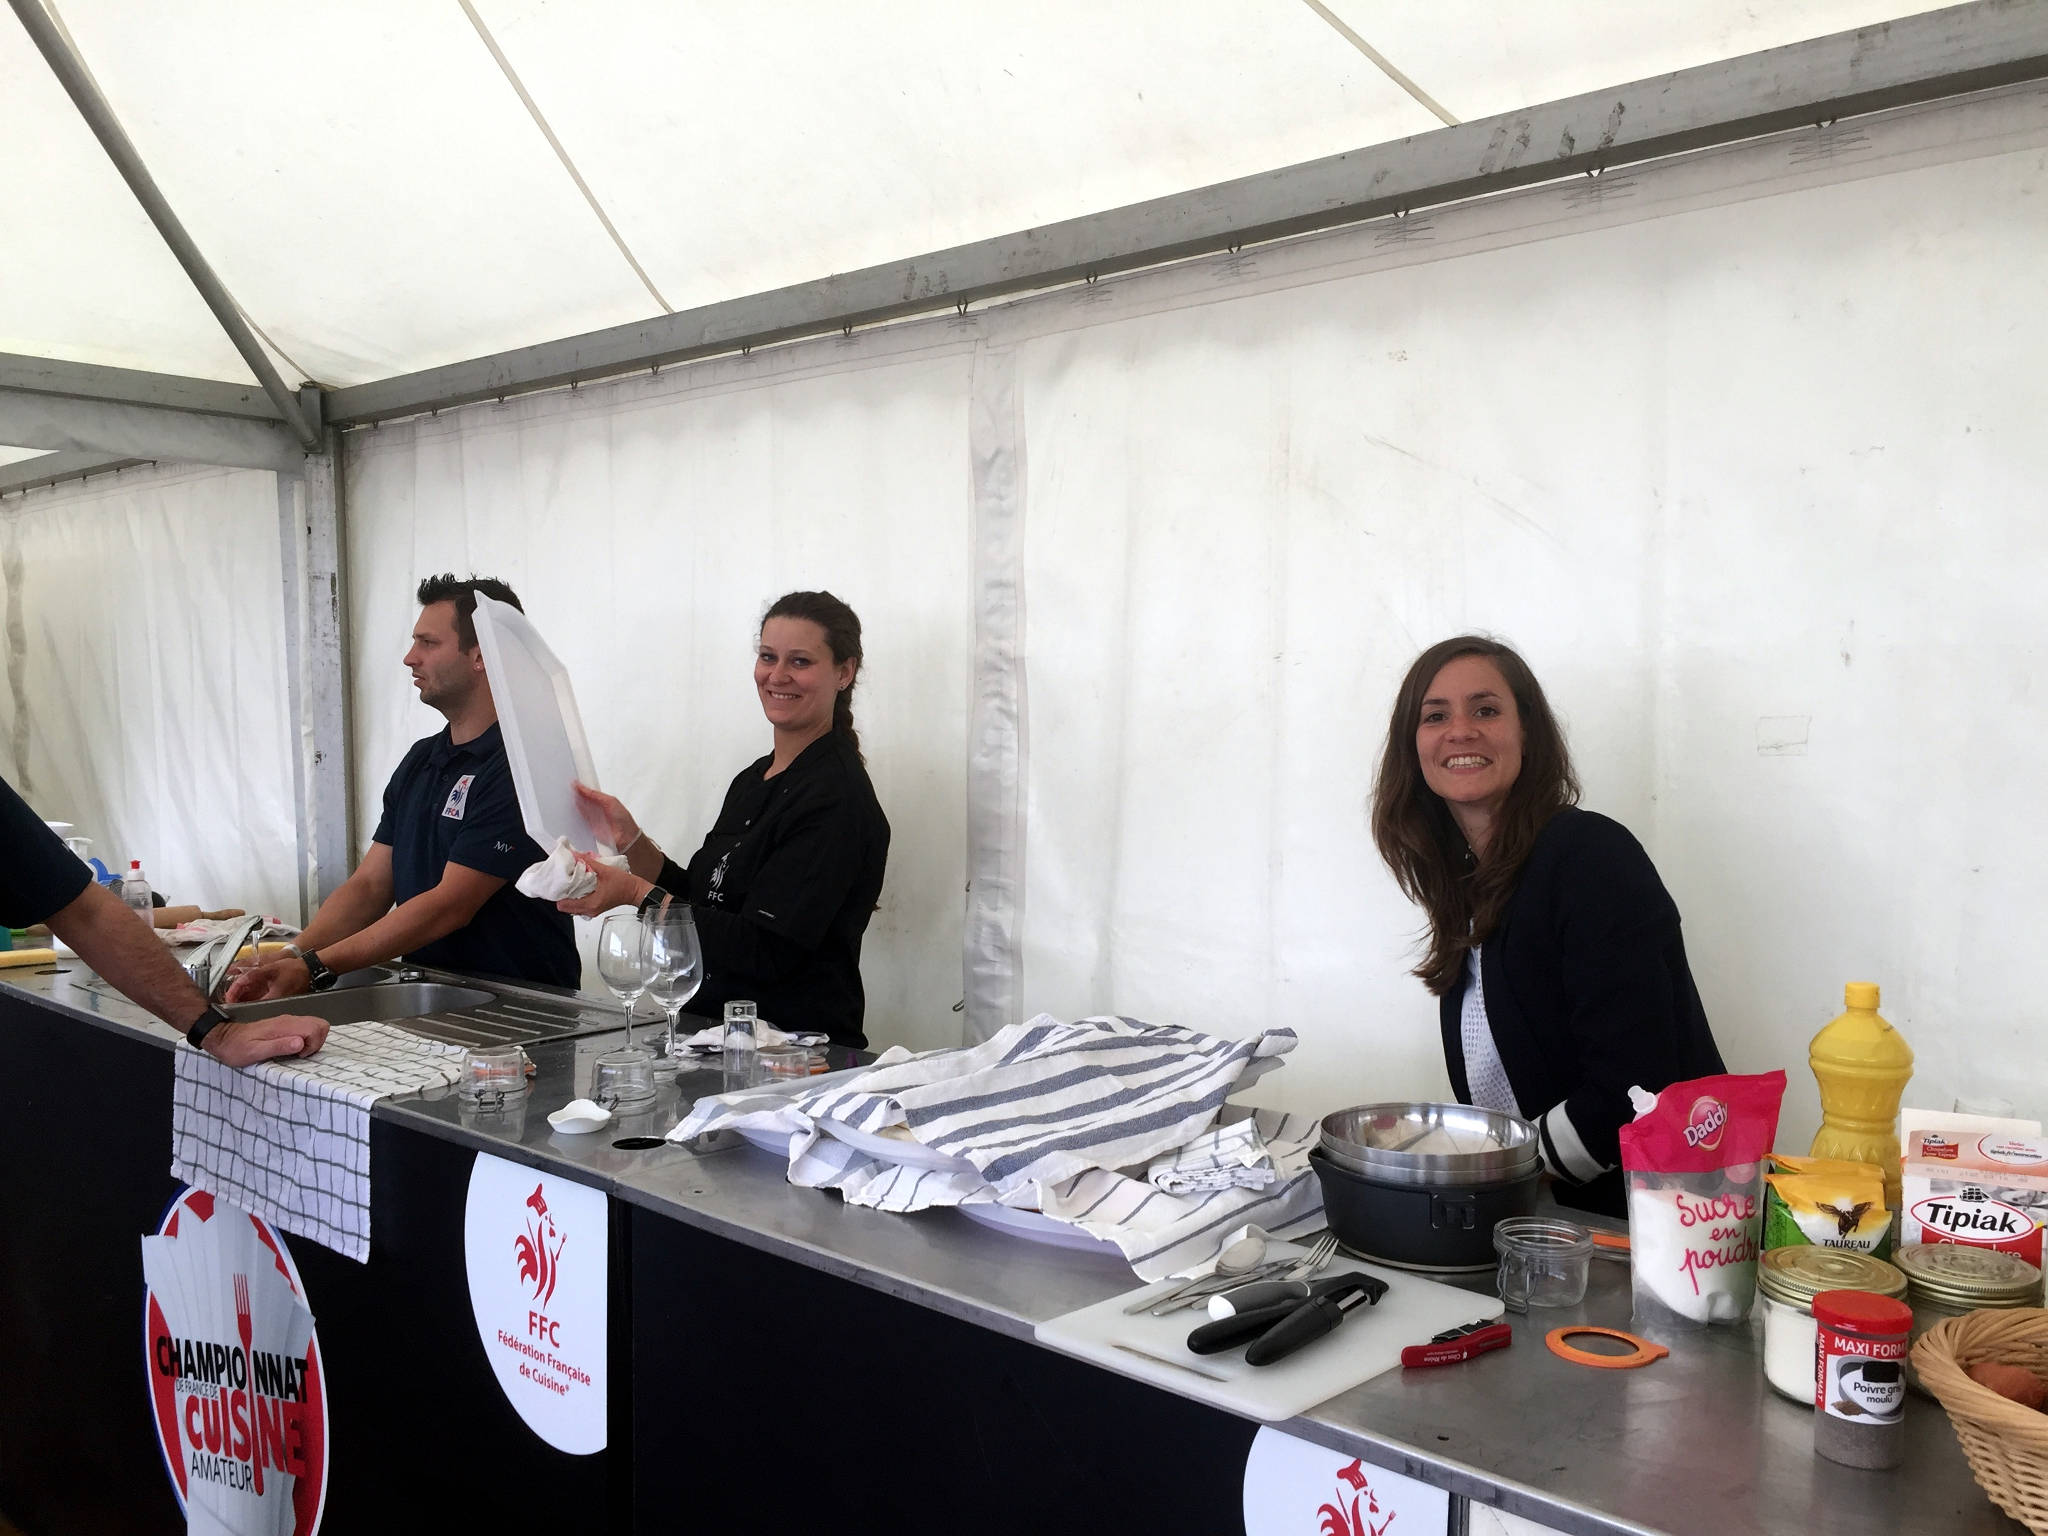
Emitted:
<point x="1431" y="1146"/>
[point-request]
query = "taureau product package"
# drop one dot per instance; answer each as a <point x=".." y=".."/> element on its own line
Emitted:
<point x="1823" y="1203"/>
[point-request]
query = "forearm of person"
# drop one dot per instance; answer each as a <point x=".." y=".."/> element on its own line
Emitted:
<point x="359" y="901"/>
<point x="109" y="939"/>
<point x="431" y="915"/>
<point x="736" y="943"/>
<point x="646" y="860"/>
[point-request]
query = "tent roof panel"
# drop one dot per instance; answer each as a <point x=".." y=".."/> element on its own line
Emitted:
<point x="363" y="179"/>
<point x="87" y="278"/>
<point x="1479" y="58"/>
<point x="741" y="147"/>
<point x="369" y="186"/>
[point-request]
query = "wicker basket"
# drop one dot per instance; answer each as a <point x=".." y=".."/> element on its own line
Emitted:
<point x="2007" y="1444"/>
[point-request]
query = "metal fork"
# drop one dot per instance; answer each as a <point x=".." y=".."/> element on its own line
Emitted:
<point x="1298" y="1268"/>
<point x="1316" y="1260"/>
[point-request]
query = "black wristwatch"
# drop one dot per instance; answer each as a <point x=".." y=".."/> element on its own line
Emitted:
<point x="318" y="977"/>
<point x="205" y="1024"/>
<point x="652" y="903"/>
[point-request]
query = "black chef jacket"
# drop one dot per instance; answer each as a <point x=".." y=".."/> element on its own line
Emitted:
<point x="783" y="888"/>
<point x="39" y="876"/>
<point x="450" y="804"/>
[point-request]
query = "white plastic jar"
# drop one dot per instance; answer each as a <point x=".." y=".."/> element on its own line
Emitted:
<point x="1787" y="1280"/>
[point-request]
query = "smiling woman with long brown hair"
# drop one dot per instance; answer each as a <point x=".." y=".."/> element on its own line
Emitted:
<point x="1553" y="948"/>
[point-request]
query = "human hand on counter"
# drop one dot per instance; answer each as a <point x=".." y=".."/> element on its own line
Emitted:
<point x="244" y="1042"/>
<point x="282" y="977"/>
<point x="616" y="887"/>
<point x="607" y="817"/>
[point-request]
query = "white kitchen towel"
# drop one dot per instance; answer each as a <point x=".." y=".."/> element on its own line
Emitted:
<point x="561" y="876"/>
<point x="766" y="1037"/>
<point x="290" y="1140"/>
<point x="1162" y="1234"/>
<point x="1042" y="1101"/>
<point x="1232" y="1156"/>
<point x="1159" y="1233"/>
<point x="1050" y="1096"/>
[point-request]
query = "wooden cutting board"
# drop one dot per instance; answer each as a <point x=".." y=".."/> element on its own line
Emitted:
<point x="1369" y="1341"/>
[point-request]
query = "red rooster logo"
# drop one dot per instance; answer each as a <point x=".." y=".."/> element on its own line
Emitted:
<point x="540" y="1263"/>
<point x="1335" y="1520"/>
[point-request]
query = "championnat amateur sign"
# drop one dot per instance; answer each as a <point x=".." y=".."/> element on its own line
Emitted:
<point x="536" y="1248"/>
<point x="234" y="1372"/>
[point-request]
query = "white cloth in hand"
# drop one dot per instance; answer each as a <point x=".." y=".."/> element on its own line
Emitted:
<point x="561" y="876"/>
<point x="766" y="1037"/>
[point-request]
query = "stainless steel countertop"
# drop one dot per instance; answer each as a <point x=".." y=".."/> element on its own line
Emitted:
<point x="1694" y="1445"/>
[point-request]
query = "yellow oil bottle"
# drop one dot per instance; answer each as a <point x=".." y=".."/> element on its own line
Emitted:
<point x="1862" y="1065"/>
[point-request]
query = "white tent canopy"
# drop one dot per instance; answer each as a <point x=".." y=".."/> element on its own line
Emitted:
<point x="378" y="199"/>
<point x="1732" y="436"/>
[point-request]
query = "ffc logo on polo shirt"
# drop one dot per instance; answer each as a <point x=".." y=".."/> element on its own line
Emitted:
<point x="458" y="797"/>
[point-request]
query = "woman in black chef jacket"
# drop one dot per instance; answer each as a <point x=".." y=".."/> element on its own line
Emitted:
<point x="1554" y="949"/>
<point x="786" y="881"/>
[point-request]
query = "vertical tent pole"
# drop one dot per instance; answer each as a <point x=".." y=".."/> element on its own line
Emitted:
<point x="311" y="540"/>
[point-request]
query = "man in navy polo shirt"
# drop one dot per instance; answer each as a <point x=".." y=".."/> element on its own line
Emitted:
<point x="436" y="884"/>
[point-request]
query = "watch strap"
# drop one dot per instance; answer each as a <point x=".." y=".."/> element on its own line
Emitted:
<point x="205" y="1024"/>
<point x="318" y="977"/>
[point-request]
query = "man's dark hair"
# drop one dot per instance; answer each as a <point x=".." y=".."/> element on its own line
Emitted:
<point x="448" y="588"/>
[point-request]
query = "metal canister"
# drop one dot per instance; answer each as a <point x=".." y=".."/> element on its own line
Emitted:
<point x="1788" y="1279"/>
<point x="1945" y="1280"/>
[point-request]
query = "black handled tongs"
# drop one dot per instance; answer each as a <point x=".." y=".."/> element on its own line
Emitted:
<point x="1276" y="1331"/>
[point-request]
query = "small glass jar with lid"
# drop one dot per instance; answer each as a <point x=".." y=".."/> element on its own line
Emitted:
<point x="1945" y="1280"/>
<point x="1787" y="1280"/>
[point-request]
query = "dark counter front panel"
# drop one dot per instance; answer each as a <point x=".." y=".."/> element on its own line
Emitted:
<point x="770" y="1397"/>
<point x="420" y="1434"/>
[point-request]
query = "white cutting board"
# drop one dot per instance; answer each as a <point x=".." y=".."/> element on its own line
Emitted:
<point x="1367" y="1342"/>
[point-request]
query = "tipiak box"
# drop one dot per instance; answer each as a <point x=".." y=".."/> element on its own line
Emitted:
<point x="1979" y="1191"/>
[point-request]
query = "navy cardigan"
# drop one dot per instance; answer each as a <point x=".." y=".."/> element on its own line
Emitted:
<point x="1587" y="993"/>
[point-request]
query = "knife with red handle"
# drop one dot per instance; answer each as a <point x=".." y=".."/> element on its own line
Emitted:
<point x="1456" y="1344"/>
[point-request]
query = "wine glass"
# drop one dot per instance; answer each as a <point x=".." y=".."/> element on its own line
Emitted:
<point x="625" y="961"/>
<point x="678" y="965"/>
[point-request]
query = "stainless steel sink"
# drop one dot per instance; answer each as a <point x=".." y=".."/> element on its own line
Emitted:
<point x="385" y="1002"/>
<point x="442" y="1010"/>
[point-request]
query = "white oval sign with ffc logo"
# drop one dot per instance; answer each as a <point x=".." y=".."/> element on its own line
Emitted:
<point x="1296" y="1488"/>
<point x="536" y="1248"/>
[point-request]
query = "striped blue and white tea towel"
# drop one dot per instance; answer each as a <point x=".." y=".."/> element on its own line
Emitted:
<point x="1231" y="1156"/>
<point x="1038" y="1103"/>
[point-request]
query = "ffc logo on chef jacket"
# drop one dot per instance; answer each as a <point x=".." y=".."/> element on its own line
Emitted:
<point x="458" y="797"/>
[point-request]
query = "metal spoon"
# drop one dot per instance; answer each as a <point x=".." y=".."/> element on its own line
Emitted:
<point x="1239" y="1257"/>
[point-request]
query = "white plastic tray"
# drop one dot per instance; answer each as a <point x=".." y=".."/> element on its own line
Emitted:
<point x="544" y="741"/>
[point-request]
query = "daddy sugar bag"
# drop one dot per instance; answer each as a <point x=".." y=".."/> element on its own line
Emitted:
<point x="1694" y="1161"/>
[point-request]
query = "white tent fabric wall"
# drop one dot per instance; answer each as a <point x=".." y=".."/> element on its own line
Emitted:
<point x="1214" y="510"/>
<point x="646" y="525"/>
<point x="146" y="699"/>
<point x="1754" y="486"/>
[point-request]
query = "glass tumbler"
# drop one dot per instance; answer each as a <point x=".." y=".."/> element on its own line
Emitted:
<point x="493" y="1075"/>
<point x="1543" y="1263"/>
<point x="740" y="1045"/>
<point x="623" y="1079"/>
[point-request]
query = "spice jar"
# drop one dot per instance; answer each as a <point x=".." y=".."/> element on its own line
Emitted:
<point x="1945" y="1280"/>
<point x="1859" y="1389"/>
<point x="1787" y="1280"/>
